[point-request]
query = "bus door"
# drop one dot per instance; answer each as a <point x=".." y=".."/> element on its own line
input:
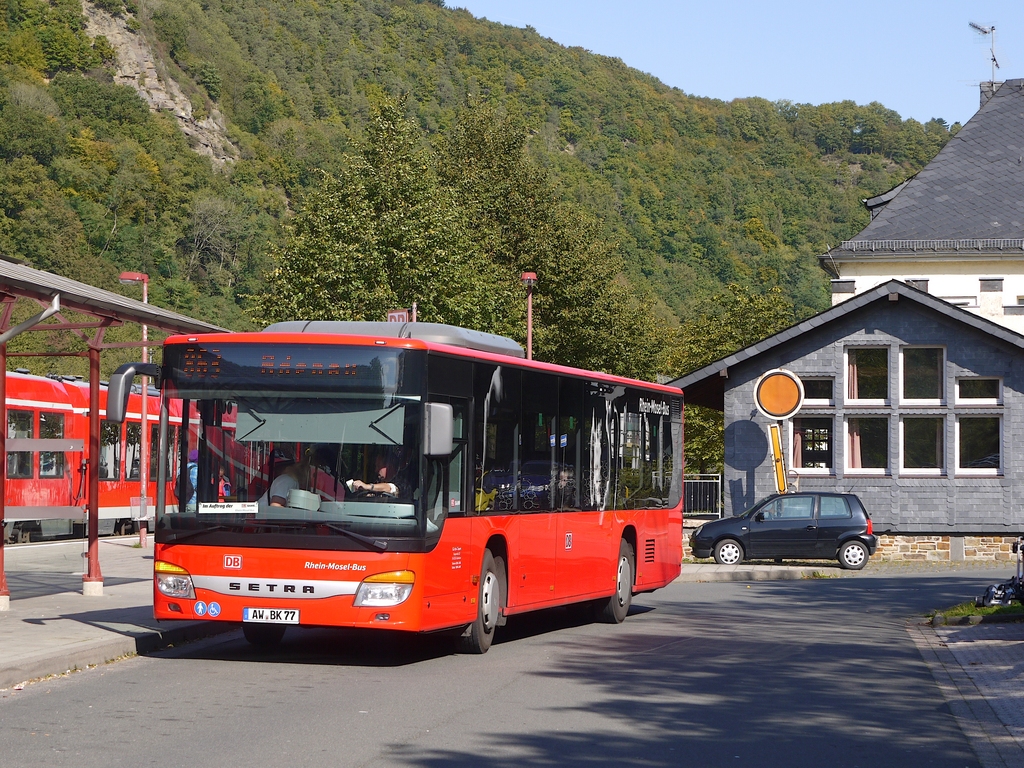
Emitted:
<point x="582" y="537"/>
<point x="537" y="525"/>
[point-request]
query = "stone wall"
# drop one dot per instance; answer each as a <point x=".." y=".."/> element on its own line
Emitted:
<point x="915" y="548"/>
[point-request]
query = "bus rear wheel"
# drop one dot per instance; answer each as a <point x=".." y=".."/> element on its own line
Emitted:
<point x="489" y="602"/>
<point x="263" y="635"/>
<point x="614" y="610"/>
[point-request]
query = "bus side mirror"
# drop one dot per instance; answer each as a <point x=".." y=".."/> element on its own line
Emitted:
<point x="438" y="429"/>
<point x="120" y="387"/>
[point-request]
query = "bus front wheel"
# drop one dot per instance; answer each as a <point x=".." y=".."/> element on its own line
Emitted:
<point x="480" y="634"/>
<point x="614" y="610"/>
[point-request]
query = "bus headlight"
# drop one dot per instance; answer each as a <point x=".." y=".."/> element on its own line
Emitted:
<point x="173" y="580"/>
<point x="383" y="590"/>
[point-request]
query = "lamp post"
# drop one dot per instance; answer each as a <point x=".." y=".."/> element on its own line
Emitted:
<point x="134" y="278"/>
<point x="529" y="280"/>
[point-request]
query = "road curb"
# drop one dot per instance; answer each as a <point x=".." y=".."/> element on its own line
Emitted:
<point x="775" y="574"/>
<point x="83" y="655"/>
<point x="939" y="619"/>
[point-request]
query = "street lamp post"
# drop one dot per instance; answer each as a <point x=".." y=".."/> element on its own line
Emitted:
<point x="134" y="278"/>
<point x="529" y="280"/>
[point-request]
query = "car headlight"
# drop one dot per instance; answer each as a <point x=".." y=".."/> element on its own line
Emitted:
<point x="696" y="533"/>
<point x="383" y="590"/>
<point x="173" y="581"/>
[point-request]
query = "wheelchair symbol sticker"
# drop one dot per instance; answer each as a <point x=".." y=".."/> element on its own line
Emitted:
<point x="214" y="610"/>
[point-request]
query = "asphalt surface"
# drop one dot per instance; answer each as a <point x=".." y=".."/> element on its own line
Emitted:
<point x="743" y="666"/>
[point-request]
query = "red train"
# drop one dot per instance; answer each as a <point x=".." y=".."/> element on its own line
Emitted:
<point x="45" y="488"/>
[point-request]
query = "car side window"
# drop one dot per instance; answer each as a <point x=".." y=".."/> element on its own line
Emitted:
<point x="796" y="507"/>
<point x="770" y="510"/>
<point x="834" y="506"/>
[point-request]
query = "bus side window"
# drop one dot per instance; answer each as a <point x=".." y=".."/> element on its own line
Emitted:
<point x="569" y="461"/>
<point x="496" y="392"/>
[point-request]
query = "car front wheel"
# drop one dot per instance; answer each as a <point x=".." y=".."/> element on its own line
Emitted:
<point x="728" y="552"/>
<point x="853" y="555"/>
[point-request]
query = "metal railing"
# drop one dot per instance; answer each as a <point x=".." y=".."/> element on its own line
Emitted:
<point x="702" y="495"/>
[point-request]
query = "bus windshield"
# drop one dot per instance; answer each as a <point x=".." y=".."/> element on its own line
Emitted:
<point x="304" y="465"/>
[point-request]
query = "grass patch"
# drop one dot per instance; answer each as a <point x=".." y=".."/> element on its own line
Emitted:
<point x="970" y="609"/>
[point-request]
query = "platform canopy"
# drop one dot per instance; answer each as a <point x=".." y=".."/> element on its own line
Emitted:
<point x="20" y="280"/>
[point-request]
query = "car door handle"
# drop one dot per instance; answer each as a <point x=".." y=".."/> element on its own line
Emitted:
<point x="812" y="528"/>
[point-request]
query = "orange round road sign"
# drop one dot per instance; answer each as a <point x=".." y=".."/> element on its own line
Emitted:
<point x="779" y="394"/>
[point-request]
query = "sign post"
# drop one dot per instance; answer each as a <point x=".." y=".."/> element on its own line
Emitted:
<point x="778" y="395"/>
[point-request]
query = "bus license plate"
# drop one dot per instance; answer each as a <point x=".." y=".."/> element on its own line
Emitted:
<point x="271" y="615"/>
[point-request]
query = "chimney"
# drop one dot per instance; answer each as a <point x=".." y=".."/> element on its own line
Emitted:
<point x="988" y="90"/>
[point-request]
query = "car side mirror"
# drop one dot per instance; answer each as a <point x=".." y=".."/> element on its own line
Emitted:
<point x="120" y="387"/>
<point x="438" y="429"/>
<point x="759" y="517"/>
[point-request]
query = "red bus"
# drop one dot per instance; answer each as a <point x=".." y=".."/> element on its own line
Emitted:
<point x="45" y="492"/>
<point x="417" y="477"/>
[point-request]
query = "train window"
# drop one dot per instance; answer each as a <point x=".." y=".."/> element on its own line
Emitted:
<point x="133" y="450"/>
<point x="51" y="427"/>
<point x="110" y="450"/>
<point x="19" y="463"/>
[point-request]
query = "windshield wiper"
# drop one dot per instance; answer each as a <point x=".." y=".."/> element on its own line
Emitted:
<point x="375" y="543"/>
<point x="366" y="540"/>
<point x="199" y="532"/>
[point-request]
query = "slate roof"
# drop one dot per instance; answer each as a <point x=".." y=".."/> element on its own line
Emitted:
<point x="706" y="386"/>
<point x="973" y="190"/>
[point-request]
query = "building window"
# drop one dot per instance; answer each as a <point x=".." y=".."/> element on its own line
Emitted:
<point x="922" y="373"/>
<point x="979" y="391"/>
<point x="978" y="445"/>
<point x="19" y="463"/>
<point x="868" y="444"/>
<point x="812" y="443"/>
<point x="818" y="391"/>
<point x="923" y="445"/>
<point x="51" y="427"/>
<point x="868" y="374"/>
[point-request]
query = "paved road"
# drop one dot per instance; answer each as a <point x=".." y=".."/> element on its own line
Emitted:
<point x="786" y="673"/>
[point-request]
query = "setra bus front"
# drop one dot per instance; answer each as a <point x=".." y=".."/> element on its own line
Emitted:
<point x="305" y="472"/>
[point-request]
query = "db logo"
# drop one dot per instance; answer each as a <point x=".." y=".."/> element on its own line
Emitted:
<point x="233" y="562"/>
<point x="568" y="541"/>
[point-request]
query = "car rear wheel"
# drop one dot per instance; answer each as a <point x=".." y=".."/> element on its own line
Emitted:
<point x="853" y="555"/>
<point x="728" y="552"/>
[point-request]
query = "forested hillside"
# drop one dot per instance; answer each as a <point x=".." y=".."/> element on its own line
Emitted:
<point x="689" y="193"/>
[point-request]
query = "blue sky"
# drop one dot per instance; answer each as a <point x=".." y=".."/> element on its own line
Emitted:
<point x="919" y="58"/>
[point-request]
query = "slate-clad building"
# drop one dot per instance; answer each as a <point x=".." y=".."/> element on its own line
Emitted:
<point x="914" y="379"/>
<point x="911" y="403"/>
<point x="956" y="229"/>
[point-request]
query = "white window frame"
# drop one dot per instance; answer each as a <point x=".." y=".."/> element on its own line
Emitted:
<point x="942" y="370"/>
<point x="867" y="471"/>
<point x="819" y="471"/>
<point x="921" y="471"/>
<point x="978" y="471"/>
<point x="998" y="400"/>
<point x="817" y="401"/>
<point x="846" y="374"/>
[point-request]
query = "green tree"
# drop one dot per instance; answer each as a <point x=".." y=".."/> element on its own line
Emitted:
<point x="732" y="320"/>
<point x="379" y="235"/>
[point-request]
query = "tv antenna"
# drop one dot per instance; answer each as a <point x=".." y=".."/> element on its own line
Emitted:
<point x="988" y="31"/>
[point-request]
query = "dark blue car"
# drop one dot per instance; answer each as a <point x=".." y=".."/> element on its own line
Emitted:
<point x="795" y="525"/>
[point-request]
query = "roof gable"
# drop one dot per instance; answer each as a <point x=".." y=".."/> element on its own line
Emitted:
<point x="972" y="190"/>
<point x="706" y="386"/>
